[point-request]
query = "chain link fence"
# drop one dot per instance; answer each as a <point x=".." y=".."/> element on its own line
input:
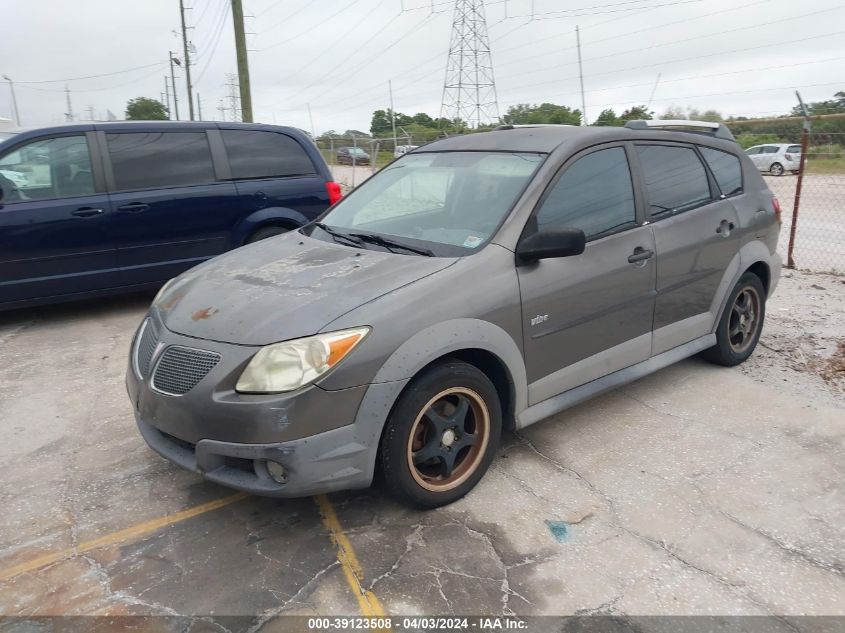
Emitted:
<point x="354" y="158"/>
<point x="819" y="211"/>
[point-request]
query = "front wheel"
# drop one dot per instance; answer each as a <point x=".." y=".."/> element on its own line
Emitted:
<point x="776" y="169"/>
<point x="741" y="324"/>
<point x="441" y="435"/>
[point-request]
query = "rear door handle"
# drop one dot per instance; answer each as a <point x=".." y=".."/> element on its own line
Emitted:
<point x="87" y="212"/>
<point x="640" y="254"/>
<point x="134" y="207"/>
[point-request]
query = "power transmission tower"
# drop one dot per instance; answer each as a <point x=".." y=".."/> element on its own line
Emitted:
<point x="69" y="116"/>
<point x="234" y="97"/>
<point x="469" y="91"/>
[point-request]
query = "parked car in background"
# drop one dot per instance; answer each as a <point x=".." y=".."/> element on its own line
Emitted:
<point x="776" y="158"/>
<point x="483" y="282"/>
<point x="352" y="156"/>
<point x="401" y="150"/>
<point x="100" y="208"/>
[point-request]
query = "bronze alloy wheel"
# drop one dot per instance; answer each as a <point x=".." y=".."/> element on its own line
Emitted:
<point x="448" y="439"/>
<point x="744" y="319"/>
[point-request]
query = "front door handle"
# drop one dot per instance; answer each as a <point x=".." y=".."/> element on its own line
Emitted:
<point x="640" y="254"/>
<point x="87" y="212"/>
<point x="724" y="229"/>
<point x="134" y="207"/>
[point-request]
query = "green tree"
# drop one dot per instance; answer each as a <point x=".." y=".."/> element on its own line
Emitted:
<point x="636" y="113"/>
<point x="526" y="114"/>
<point x="607" y="117"/>
<point x="145" y="109"/>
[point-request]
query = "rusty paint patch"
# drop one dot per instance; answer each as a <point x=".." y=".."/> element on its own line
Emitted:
<point x="204" y="313"/>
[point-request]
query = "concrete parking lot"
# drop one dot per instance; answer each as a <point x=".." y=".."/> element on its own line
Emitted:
<point x="697" y="490"/>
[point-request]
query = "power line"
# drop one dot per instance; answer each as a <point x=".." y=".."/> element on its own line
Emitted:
<point x="216" y="37"/>
<point x="117" y="72"/>
<point x="308" y="31"/>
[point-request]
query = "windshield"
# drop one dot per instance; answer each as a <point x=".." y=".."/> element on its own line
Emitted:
<point x="450" y="202"/>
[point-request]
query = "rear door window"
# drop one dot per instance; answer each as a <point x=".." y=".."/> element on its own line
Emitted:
<point x="153" y="160"/>
<point x="260" y="154"/>
<point x="675" y="179"/>
<point x="770" y="149"/>
<point x="726" y="169"/>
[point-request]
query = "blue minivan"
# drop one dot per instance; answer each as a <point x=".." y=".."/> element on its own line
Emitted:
<point x="95" y="209"/>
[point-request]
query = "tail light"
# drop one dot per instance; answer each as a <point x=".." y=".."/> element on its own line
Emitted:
<point x="776" y="207"/>
<point x="788" y="156"/>
<point x="333" y="189"/>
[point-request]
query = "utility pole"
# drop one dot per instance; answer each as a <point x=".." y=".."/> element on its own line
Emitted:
<point x="69" y="114"/>
<point x="392" y="113"/>
<point x="187" y="59"/>
<point x="805" y="142"/>
<point x="581" y="77"/>
<point x="90" y="112"/>
<point x="243" y="61"/>
<point x="14" y="99"/>
<point x="199" y="108"/>
<point x="167" y="96"/>
<point x="173" y="83"/>
<point x="310" y="118"/>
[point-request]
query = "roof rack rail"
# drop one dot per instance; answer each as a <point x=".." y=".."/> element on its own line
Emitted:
<point x="719" y="130"/>
<point x="512" y="126"/>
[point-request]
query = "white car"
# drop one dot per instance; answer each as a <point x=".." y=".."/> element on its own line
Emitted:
<point x="776" y="158"/>
<point x="401" y="150"/>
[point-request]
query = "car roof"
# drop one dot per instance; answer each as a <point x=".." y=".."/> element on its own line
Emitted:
<point x="141" y="125"/>
<point x="547" y="138"/>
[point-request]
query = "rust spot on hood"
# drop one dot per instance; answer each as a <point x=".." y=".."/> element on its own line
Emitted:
<point x="204" y="313"/>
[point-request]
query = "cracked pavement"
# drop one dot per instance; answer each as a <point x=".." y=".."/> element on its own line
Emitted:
<point x="697" y="490"/>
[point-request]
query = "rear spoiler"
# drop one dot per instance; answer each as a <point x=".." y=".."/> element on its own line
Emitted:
<point x="719" y="130"/>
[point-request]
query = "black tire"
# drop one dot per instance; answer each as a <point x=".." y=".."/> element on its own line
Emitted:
<point x="432" y="401"/>
<point x="735" y="338"/>
<point x="265" y="232"/>
<point x="776" y="169"/>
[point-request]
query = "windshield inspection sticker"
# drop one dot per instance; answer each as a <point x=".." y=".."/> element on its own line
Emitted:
<point x="472" y="241"/>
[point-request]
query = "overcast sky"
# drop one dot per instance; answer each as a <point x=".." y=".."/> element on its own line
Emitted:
<point x="741" y="57"/>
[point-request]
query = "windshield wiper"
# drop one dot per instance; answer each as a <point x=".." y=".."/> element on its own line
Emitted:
<point x="337" y="235"/>
<point x="389" y="244"/>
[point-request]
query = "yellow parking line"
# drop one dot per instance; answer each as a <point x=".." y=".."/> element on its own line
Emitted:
<point x="135" y="531"/>
<point x="352" y="570"/>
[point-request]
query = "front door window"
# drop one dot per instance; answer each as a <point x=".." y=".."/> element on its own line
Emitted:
<point x="47" y="169"/>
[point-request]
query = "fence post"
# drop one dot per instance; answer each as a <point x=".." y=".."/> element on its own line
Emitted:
<point x="805" y="143"/>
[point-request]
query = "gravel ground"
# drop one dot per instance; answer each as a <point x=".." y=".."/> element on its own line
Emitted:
<point x="803" y="341"/>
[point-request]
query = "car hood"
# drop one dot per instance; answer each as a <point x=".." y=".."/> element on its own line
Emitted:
<point x="283" y="288"/>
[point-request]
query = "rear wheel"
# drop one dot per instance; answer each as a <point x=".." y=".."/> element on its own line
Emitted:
<point x="776" y="169"/>
<point x="740" y="326"/>
<point x="265" y="232"/>
<point x="441" y="436"/>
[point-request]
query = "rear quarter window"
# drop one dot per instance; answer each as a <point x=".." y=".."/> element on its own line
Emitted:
<point x="261" y="154"/>
<point x="726" y="169"/>
<point x="793" y="149"/>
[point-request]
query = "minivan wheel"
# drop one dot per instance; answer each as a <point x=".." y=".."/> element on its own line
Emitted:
<point x="441" y="436"/>
<point x="776" y="169"/>
<point x="265" y="232"/>
<point x="740" y="326"/>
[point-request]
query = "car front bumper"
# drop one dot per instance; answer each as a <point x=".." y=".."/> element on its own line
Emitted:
<point x="324" y="440"/>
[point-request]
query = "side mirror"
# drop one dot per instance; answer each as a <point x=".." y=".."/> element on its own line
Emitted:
<point x="551" y="243"/>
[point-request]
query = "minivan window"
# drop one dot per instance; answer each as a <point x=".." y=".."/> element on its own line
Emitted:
<point x="152" y="160"/>
<point x="674" y="177"/>
<point x="594" y="194"/>
<point x="726" y="169"/>
<point x="448" y="202"/>
<point x="48" y="168"/>
<point x="259" y="154"/>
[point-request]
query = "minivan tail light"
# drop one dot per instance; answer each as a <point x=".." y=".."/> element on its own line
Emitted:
<point x="333" y="189"/>
<point x="776" y="207"/>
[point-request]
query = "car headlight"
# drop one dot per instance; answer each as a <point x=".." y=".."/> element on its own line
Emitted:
<point x="292" y="364"/>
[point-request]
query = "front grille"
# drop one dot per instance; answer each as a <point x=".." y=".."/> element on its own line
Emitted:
<point x="146" y="347"/>
<point x="181" y="368"/>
